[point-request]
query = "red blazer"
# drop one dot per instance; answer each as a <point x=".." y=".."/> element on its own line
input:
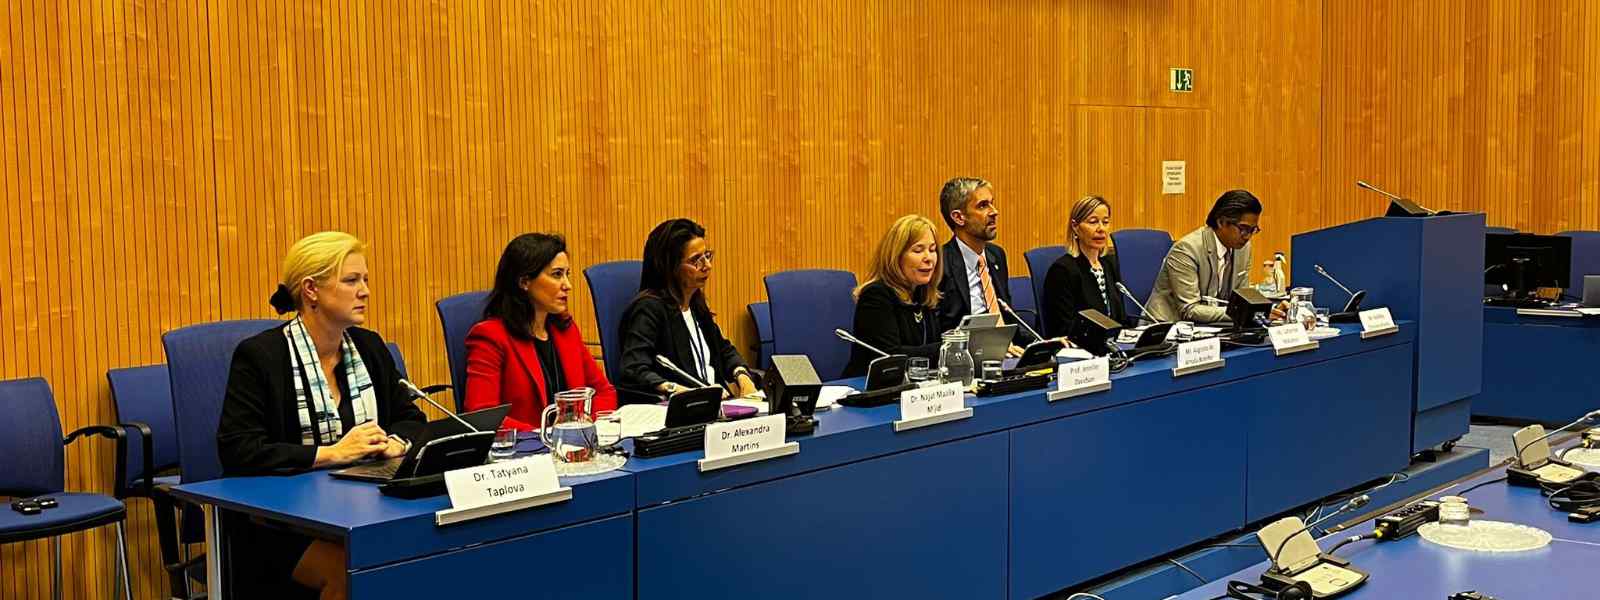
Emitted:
<point x="502" y="369"/>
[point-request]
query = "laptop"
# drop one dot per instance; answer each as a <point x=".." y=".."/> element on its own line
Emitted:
<point x="986" y="339"/>
<point x="1591" y="291"/>
<point x="444" y="445"/>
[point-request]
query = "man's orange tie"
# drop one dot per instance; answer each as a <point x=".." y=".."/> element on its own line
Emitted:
<point x="988" y="285"/>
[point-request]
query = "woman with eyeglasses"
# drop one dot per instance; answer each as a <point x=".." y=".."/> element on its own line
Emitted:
<point x="527" y="348"/>
<point x="1204" y="267"/>
<point x="670" y="318"/>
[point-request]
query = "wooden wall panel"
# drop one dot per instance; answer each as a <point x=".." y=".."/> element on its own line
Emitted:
<point x="160" y="157"/>
<point x="1489" y="106"/>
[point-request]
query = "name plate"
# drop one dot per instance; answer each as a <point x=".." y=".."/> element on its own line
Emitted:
<point x="1376" y="322"/>
<point x="932" y="405"/>
<point x="1290" y="338"/>
<point x="501" y="487"/>
<point x="1197" y="356"/>
<point x="746" y="441"/>
<point x="1082" y="377"/>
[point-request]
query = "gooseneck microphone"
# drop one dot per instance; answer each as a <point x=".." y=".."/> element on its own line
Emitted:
<point x="666" y="362"/>
<point x="1368" y="186"/>
<point x="1352" y="504"/>
<point x="1020" y="321"/>
<point x="1323" y="272"/>
<point x="1144" y="313"/>
<point x="845" y="335"/>
<point x="420" y="394"/>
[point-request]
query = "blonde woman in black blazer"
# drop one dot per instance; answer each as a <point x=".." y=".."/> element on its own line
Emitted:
<point x="1087" y="275"/>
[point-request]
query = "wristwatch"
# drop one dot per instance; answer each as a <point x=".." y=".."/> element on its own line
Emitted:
<point x="403" y="441"/>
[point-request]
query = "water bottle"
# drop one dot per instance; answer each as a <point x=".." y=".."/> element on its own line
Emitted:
<point x="955" y="363"/>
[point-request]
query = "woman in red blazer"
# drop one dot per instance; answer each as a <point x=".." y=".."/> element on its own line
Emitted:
<point x="526" y="348"/>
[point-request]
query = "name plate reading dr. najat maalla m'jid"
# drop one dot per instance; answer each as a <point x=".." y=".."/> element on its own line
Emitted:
<point x="746" y="441"/>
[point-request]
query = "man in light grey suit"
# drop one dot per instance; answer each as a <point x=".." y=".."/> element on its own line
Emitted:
<point x="1208" y="263"/>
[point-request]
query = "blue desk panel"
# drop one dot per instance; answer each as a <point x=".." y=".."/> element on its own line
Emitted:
<point x="1316" y="431"/>
<point x="856" y="531"/>
<point x="593" y="560"/>
<point x="1095" y="493"/>
<point x="1241" y="451"/>
<point x="846" y="435"/>
<point x="1538" y="368"/>
<point x="378" y="529"/>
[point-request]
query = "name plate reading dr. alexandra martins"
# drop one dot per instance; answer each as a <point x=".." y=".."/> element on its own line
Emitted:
<point x="745" y="441"/>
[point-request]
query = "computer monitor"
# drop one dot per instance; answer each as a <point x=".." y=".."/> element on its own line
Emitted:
<point x="1525" y="262"/>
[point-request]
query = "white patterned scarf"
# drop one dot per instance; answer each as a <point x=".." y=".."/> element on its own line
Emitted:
<point x="319" y="413"/>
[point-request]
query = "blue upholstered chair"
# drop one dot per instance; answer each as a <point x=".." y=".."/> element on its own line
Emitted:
<point x="807" y="305"/>
<point x="761" y="314"/>
<point x="1140" y="253"/>
<point x="35" y="456"/>
<point x="1039" y="261"/>
<point x="612" y="285"/>
<point x="1022" y="300"/>
<point x="142" y="397"/>
<point x="457" y="315"/>
<point x="198" y="359"/>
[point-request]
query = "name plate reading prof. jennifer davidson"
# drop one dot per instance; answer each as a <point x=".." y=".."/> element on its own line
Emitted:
<point x="1082" y="377"/>
<point x="746" y="441"/>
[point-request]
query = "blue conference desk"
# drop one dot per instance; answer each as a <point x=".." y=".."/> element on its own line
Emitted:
<point x="1538" y="368"/>
<point x="396" y="551"/>
<point x="1415" y="569"/>
<point x="1025" y="498"/>
<point x="1028" y="497"/>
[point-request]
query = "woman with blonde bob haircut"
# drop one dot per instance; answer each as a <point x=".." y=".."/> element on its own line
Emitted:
<point x="896" y="307"/>
<point x="1087" y="276"/>
<point x="318" y="391"/>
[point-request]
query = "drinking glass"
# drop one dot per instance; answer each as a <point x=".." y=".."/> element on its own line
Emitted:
<point x="917" y="370"/>
<point x="505" y="444"/>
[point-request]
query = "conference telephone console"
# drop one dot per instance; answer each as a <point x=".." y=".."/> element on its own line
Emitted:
<point x="886" y="378"/>
<point x="1535" y="466"/>
<point x="1298" y="561"/>
<point x="688" y="413"/>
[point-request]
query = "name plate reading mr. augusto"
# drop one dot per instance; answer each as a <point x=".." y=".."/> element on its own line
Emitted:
<point x="501" y="487"/>
<point x="746" y="441"/>
<point x="1197" y="356"/>
<point x="932" y="405"/>
<point x="1082" y="377"/>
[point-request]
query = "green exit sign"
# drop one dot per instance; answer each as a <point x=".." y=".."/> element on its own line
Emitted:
<point x="1183" y="80"/>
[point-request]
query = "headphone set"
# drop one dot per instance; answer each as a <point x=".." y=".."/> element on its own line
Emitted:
<point x="1299" y="590"/>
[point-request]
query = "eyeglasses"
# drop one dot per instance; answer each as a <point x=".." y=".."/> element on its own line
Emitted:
<point x="1246" y="230"/>
<point x="702" y="260"/>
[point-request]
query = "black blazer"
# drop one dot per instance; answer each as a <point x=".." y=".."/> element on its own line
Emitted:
<point x="653" y="325"/>
<point x="1069" y="287"/>
<point x="891" y="326"/>
<point x="955" y="299"/>
<point x="259" y="432"/>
